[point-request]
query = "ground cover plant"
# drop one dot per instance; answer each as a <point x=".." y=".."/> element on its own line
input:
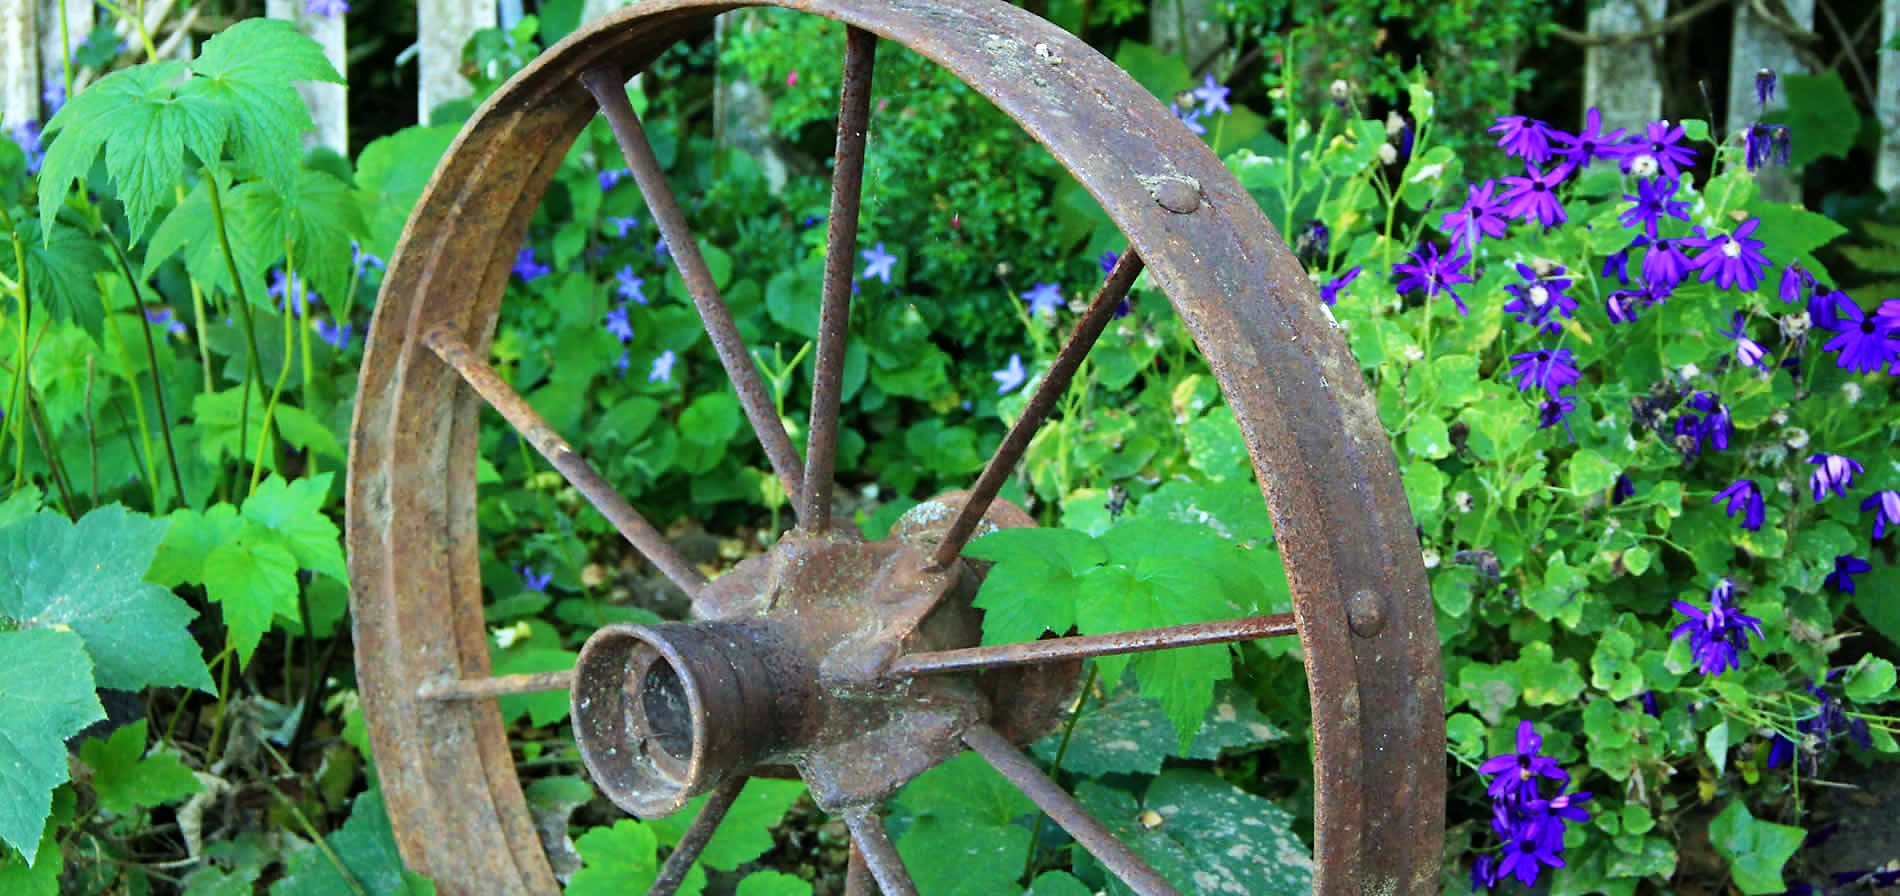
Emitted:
<point x="1647" y="439"/>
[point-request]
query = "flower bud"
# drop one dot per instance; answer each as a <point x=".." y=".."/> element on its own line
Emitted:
<point x="1388" y="153"/>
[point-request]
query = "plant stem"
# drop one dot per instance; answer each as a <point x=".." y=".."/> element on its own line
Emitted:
<point x="151" y="356"/>
<point x="92" y="433"/>
<point x="251" y="373"/>
<point x="294" y="298"/>
<point x="150" y="471"/>
<point x="1062" y="749"/>
<point x="41" y="430"/>
<point x="17" y="402"/>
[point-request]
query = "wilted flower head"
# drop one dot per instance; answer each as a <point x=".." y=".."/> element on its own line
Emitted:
<point x="1886" y="508"/>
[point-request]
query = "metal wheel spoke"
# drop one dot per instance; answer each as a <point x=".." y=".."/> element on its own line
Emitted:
<point x="499" y="686"/>
<point x="585" y="479"/>
<point x="880" y="855"/>
<point x="841" y="251"/>
<point x="1052" y="799"/>
<point x="1057" y="650"/>
<point x="1087" y="330"/>
<point x="693" y="842"/>
<point x="857" y="875"/>
<point x="610" y="93"/>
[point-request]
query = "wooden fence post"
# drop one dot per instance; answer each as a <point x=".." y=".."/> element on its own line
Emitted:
<point x="443" y="27"/>
<point x="1620" y="80"/>
<point x="1887" y="102"/>
<point x="329" y="103"/>
<point x="19" y="63"/>
<point x="1758" y="45"/>
<point x="1189" y="29"/>
<point x="53" y="56"/>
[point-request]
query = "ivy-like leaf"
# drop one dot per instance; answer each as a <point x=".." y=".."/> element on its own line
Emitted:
<point x="88" y="578"/>
<point x="390" y="176"/>
<point x="253" y="577"/>
<point x="294" y="511"/>
<point x="1756" y="849"/>
<point x="962" y="839"/>
<point x="1035" y="585"/>
<point x="249" y="69"/>
<point x="46" y="696"/>
<point x="126" y="779"/>
<point x="367" y="848"/>
<point x="61" y="267"/>
<point x="87" y="121"/>
<point x="623" y="859"/>
<point x="542" y="709"/>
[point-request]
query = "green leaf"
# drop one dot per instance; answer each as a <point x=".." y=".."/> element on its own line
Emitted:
<point x="253" y="577"/>
<point x="1822" y="116"/>
<point x="746" y="832"/>
<point x="294" y="512"/>
<point x="220" y="416"/>
<point x="88" y="578"/>
<point x="367" y="848"/>
<point x="618" y="860"/>
<point x="1215" y="446"/>
<point x="1715" y="744"/>
<point x="249" y="69"/>
<point x="310" y="211"/>
<point x="1059" y="883"/>
<point x="126" y="779"/>
<point x="303" y="430"/>
<point x="190" y="537"/>
<point x="61" y="269"/>
<point x="38" y="875"/>
<point x="1129" y="733"/>
<point x="1591" y="474"/>
<point x="1206" y="836"/>
<point x="1874" y="599"/>
<point x="1792" y="230"/>
<point x="191" y="230"/>
<point x="1547" y="682"/>
<point x="91" y="118"/>
<point x="543" y="709"/>
<point x="1428" y="438"/>
<point x="1035" y="585"/>
<point x="1756" y="849"/>
<point x="46" y="696"/>
<point x="390" y="176"/>
<point x="965" y="789"/>
<point x="1870" y="680"/>
<point x="146" y="154"/>
<point x="772" y="883"/>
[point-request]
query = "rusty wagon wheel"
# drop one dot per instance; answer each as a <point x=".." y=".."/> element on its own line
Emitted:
<point x="855" y="663"/>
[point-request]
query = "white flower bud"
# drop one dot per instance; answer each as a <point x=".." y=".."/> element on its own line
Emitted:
<point x="1340" y="90"/>
<point x="1644" y="166"/>
<point x="1852" y="391"/>
<point x="1461" y="499"/>
<point x="1388" y="153"/>
<point x="1432" y="559"/>
<point x="1795" y="438"/>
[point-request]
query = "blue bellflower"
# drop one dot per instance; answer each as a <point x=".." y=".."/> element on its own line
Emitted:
<point x="337" y="335"/>
<point x="611" y="176"/>
<point x="662" y="371"/>
<point x="878" y="263"/>
<point x="1431" y="272"/>
<point x="1846" y="567"/>
<point x="1045" y="298"/>
<point x="630" y="287"/>
<point x="329" y="9"/>
<point x="1743" y="495"/>
<point x="526" y="268"/>
<point x="1213" y="96"/>
<point x="622" y="225"/>
<point x="1833" y="472"/>
<point x="1011" y="376"/>
<point x="163" y="317"/>
<point x="1886" y="508"/>
<point x="535" y="581"/>
<point x="618" y="325"/>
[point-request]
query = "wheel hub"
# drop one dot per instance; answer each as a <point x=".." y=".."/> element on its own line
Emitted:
<point x="785" y="669"/>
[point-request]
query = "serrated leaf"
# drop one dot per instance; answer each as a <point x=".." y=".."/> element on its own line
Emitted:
<point x="126" y="779"/>
<point x="367" y="848"/>
<point x="88" y="577"/>
<point x="543" y="709"/>
<point x="88" y="120"/>
<point x="1821" y="115"/>
<point x="190" y="537"/>
<point x="1206" y="836"/>
<point x="746" y="832"/>
<point x="1128" y="733"/>
<point x="250" y="68"/>
<point x="309" y="211"/>
<point x="620" y="859"/>
<point x="965" y="788"/>
<point x="191" y="230"/>
<point x="146" y="155"/>
<point x="1756" y="849"/>
<point x="1034" y="586"/>
<point x="304" y="431"/>
<point x="61" y="271"/>
<point x="294" y="511"/>
<point x="220" y="416"/>
<point x="253" y="578"/>
<point x="46" y="696"/>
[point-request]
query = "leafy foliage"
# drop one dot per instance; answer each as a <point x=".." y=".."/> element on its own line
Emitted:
<point x="127" y="779"/>
<point x="46" y="697"/>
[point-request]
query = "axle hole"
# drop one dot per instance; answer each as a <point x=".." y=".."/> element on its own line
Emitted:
<point x="669" y="713"/>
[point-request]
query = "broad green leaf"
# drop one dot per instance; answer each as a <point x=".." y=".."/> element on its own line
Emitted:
<point x="543" y="709"/>
<point x="249" y="69"/>
<point x="1756" y="849"/>
<point x="24" y="502"/>
<point x="390" y="176"/>
<point x="61" y="267"/>
<point x="367" y="848"/>
<point x="190" y="537"/>
<point x="1058" y="883"/>
<point x="746" y="832"/>
<point x="87" y="121"/>
<point x="253" y="577"/>
<point x="190" y="232"/>
<point x="294" y="511"/>
<point x="302" y="430"/>
<point x="146" y="154"/>
<point x="711" y="420"/>
<point x="1791" y="229"/>
<point x="949" y="856"/>
<point x="1870" y="680"/>
<point x="1127" y="733"/>
<point x="225" y="425"/>
<point x="1232" y="509"/>
<point x="46" y="696"/>
<point x="1428" y="438"/>
<point x="313" y="213"/>
<point x="1822" y="116"/>
<point x="619" y="860"/>
<point x="1207" y="836"/>
<point x="1035" y="585"/>
<point x="1590" y="473"/>
<point x="1215" y="446"/>
<point x="88" y="578"/>
<point x="965" y="788"/>
<point x="772" y="883"/>
<point x="126" y="779"/>
<point x="210" y="880"/>
<point x="1715" y="744"/>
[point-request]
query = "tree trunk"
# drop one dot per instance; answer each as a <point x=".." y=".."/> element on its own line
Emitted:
<point x="1887" y="104"/>
<point x="1190" y="29"/>
<point x="1622" y="80"/>
<point x="19" y="63"/>
<point x="1757" y="45"/>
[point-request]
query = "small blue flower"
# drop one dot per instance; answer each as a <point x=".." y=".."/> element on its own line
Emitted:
<point x="1213" y="96"/>
<point x="27" y="135"/>
<point x="622" y="225"/>
<point x="54" y="96"/>
<point x="1719" y="636"/>
<point x="1833" y="472"/>
<point x="296" y="294"/>
<point x="1108" y="260"/>
<point x="1886" y="508"/>
<point x="163" y="317"/>
<point x="1517" y="772"/>
<point x="1331" y="290"/>
<point x="1045" y="298"/>
<point x="327" y="8"/>
<point x="337" y="335"/>
<point x="612" y="176"/>
<point x="534" y="581"/>
<point x="1189" y="117"/>
<point x="1011" y="376"/>
<point x="662" y="371"/>
<point x="1764" y="86"/>
<point x="630" y="286"/>
<point x="1743" y="495"/>
<point x="878" y="263"/>
<point x="362" y="261"/>
<point x="1623" y="491"/>
<point x="1749" y="352"/>
<point x="661" y="249"/>
<point x="1547" y="369"/>
<point x="526" y="268"/>
<point x="1766" y="143"/>
<point x="1846" y="567"/>
<point x="618" y="325"/>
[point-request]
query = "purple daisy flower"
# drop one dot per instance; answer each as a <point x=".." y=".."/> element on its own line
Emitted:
<point x="1660" y="145"/>
<point x="1834" y="472"/>
<point x="1547" y="369"/>
<point x="1552" y="411"/>
<point x="1479" y="215"/>
<point x="1534" y="196"/>
<point x="1866" y="342"/>
<point x="1655" y="199"/>
<point x="1331" y="290"/>
<point x="1743" y="495"/>
<point x="1531" y="845"/>
<point x="1732" y="259"/>
<point x="1524" y="138"/>
<point x="1517" y="772"/>
<point x="1541" y="300"/>
<point x="1665" y="265"/>
<point x="1591" y="143"/>
<point x="1429" y="271"/>
<point x="1719" y="636"/>
<point x="1747" y="351"/>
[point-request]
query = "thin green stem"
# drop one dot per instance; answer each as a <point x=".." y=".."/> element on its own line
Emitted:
<point x="1055" y="768"/>
<point x="92" y="432"/>
<point x="18" y="401"/>
<point x="44" y="432"/>
<point x="251" y="373"/>
<point x="151" y="356"/>
<point x="138" y="403"/>
<point x="294" y="297"/>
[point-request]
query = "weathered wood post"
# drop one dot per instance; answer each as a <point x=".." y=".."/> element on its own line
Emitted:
<point x="329" y="103"/>
<point x="19" y="63"/>
<point x="443" y="27"/>
<point x="1758" y="45"/>
<point x="1190" y="29"/>
<point x="1887" y="102"/>
<point x="1620" y="78"/>
<point x="76" y="18"/>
